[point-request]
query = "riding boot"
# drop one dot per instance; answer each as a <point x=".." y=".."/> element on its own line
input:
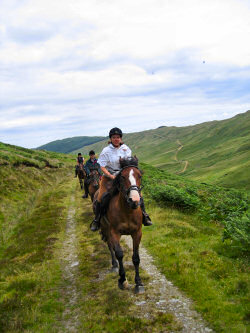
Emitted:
<point x="146" y="219"/>
<point x="75" y="173"/>
<point x="95" y="224"/>
<point x="86" y="190"/>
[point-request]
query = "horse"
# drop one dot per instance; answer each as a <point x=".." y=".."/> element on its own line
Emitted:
<point x="81" y="173"/>
<point x="123" y="216"/>
<point x="93" y="183"/>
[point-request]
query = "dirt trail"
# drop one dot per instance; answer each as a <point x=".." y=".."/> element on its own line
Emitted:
<point x="176" y="158"/>
<point x="69" y="264"/>
<point x="162" y="295"/>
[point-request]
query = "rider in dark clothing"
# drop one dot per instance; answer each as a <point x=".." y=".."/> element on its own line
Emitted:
<point x="90" y="165"/>
<point x="79" y="160"/>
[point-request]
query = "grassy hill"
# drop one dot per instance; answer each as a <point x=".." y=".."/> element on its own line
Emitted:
<point x="69" y="144"/>
<point x="39" y="198"/>
<point x="216" y="152"/>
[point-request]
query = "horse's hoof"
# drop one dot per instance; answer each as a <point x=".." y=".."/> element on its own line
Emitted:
<point x="114" y="269"/>
<point x="123" y="285"/>
<point x="139" y="289"/>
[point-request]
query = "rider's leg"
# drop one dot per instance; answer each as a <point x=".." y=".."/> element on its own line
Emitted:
<point x="95" y="224"/>
<point x="85" y="189"/>
<point x="76" y="171"/>
<point x="146" y="219"/>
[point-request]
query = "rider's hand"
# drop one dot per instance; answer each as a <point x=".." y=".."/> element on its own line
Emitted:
<point x="112" y="176"/>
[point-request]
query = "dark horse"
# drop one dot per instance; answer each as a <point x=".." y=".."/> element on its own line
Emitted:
<point x="81" y="173"/>
<point x="123" y="216"/>
<point x="93" y="182"/>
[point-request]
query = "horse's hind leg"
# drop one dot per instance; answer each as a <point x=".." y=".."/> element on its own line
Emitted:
<point x="136" y="261"/>
<point x="114" y="261"/>
<point x="122" y="282"/>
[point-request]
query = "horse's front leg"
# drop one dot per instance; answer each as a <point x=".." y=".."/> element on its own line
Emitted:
<point x="114" y="261"/>
<point x="115" y="239"/>
<point x="136" y="261"/>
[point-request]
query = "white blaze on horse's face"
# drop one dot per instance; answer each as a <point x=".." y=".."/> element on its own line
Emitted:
<point x="134" y="195"/>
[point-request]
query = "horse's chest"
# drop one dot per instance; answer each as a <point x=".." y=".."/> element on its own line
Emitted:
<point x="127" y="227"/>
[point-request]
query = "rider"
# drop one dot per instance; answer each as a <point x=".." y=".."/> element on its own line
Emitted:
<point x="79" y="162"/>
<point x="110" y="166"/>
<point x="91" y="164"/>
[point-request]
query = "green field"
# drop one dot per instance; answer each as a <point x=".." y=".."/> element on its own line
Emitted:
<point x="217" y="152"/>
<point x="199" y="240"/>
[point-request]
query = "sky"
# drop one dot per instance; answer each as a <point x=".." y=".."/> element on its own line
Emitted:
<point x="76" y="68"/>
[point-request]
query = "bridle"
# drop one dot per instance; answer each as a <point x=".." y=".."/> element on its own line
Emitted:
<point x="126" y="191"/>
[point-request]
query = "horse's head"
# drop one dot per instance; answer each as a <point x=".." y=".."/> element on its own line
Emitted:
<point x="130" y="181"/>
<point x="94" y="178"/>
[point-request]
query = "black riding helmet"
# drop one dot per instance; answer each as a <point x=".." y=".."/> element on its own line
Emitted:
<point x="114" y="131"/>
<point x="91" y="152"/>
<point x="79" y="154"/>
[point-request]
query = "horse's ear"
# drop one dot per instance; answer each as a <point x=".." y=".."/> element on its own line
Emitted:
<point x="135" y="157"/>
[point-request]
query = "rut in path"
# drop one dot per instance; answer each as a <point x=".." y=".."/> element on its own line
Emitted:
<point x="69" y="264"/>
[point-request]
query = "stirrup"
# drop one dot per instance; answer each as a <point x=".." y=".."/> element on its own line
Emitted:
<point x="95" y="225"/>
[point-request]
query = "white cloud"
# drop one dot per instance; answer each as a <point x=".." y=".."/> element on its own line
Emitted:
<point x="65" y="60"/>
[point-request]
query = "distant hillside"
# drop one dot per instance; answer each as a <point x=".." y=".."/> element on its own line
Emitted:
<point x="217" y="152"/>
<point x="69" y="144"/>
<point x="15" y="156"/>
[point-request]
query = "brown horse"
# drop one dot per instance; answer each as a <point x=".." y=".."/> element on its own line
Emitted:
<point x="93" y="183"/>
<point x="124" y="217"/>
<point x="81" y="173"/>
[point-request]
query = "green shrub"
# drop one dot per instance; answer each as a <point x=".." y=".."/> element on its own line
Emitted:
<point x="179" y="198"/>
<point x="238" y="230"/>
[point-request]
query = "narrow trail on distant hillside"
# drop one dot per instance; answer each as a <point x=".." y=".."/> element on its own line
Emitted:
<point x="176" y="158"/>
<point x="161" y="295"/>
<point x="69" y="264"/>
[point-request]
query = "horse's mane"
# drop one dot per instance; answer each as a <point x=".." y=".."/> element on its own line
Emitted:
<point x="129" y="161"/>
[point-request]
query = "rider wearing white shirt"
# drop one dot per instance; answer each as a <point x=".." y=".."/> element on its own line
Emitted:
<point x="110" y="156"/>
<point x="109" y="161"/>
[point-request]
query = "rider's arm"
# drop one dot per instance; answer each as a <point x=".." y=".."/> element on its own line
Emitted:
<point x="107" y="173"/>
<point x="99" y="169"/>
